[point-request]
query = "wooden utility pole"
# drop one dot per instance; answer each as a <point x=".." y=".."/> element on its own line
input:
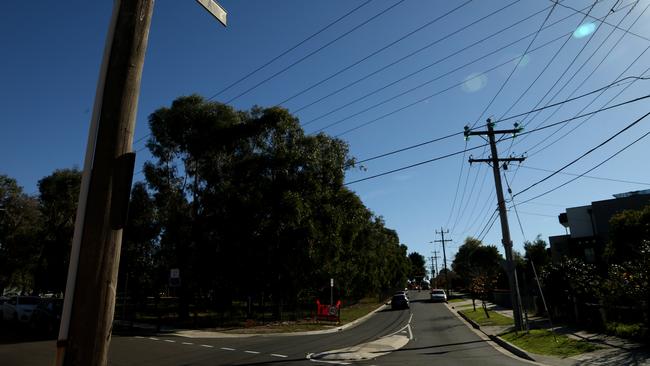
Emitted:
<point x="495" y="161"/>
<point x="90" y="296"/>
<point x="434" y="268"/>
<point x="444" y="256"/>
<point x="89" y="303"/>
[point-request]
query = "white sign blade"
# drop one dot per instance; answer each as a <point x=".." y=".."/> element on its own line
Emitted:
<point x="215" y="9"/>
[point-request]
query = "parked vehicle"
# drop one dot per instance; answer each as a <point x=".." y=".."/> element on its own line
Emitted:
<point x="19" y="308"/>
<point x="438" y="295"/>
<point x="46" y="317"/>
<point x="399" y="301"/>
<point x="405" y="293"/>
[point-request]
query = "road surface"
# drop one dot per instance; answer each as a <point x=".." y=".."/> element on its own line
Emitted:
<point x="438" y="337"/>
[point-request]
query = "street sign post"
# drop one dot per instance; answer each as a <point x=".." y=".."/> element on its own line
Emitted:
<point x="215" y="9"/>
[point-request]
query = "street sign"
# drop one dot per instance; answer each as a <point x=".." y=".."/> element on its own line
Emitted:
<point x="215" y="9"/>
<point x="175" y="273"/>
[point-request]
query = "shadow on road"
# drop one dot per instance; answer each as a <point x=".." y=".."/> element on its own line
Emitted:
<point x="19" y="333"/>
<point x="439" y="345"/>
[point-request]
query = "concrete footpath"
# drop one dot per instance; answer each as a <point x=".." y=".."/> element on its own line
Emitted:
<point x="614" y="350"/>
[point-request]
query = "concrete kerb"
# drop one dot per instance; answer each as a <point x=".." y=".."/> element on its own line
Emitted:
<point x="497" y="343"/>
<point x="209" y="334"/>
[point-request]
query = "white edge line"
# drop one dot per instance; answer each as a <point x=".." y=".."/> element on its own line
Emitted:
<point x="322" y="361"/>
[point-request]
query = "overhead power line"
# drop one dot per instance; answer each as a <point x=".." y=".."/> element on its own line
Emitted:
<point x="421" y="69"/>
<point x="583" y="155"/>
<point x="609" y="24"/>
<point x="539" y="75"/>
<point x="502" y="139"/>
<point x="593" y="71"/>
<point x="416" y="164"/>
<point x="455" y="134"/>
<point x="434" y="79"/>
<point x="429" y="23"/>
<point x="410" y="147"/>
<point x="314" y="52"/>
<point x="505" y="82"/>
<point x="383" y="102"/>
<point x="267" y="63"/>
<point x="588" y="171"/>
<point x="613" y="84"/>
<point x="586" y="176"/>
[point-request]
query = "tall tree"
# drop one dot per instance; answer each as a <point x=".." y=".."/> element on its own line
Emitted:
<point x="418" y="266"/>
<point x="136" y="275"/>
<point x="251" y="206"/>
<point x="58" y="197"/>
<point x="19" y="239"/>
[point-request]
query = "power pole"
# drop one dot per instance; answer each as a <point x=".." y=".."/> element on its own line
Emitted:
<point x="434" y="268"/>
<point x="92" y="279"/>
<point x="495" y="161"/>
<point x="444" y="256"/>
<point x="89" y="303"/>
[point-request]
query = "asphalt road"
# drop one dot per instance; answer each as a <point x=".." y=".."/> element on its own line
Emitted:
<point x="439" y="337"/>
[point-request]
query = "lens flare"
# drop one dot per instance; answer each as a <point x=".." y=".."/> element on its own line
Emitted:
<point x="474" y="82"/>
<point x="584" y="30"/>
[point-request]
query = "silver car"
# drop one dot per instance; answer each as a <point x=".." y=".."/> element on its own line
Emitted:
<point x="438" y="295"/>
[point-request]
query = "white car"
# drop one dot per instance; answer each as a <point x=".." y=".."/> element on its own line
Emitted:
<point x="19" y="308"/>
<point x="438" y="295"/>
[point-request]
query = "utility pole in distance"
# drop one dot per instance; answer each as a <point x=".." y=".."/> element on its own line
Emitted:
<point x="495" y="161"/>
<point x="434" y="268"/>
<point x="444" y="256"/>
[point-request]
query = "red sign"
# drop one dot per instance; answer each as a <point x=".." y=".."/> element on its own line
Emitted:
<point x="328" y="312"/>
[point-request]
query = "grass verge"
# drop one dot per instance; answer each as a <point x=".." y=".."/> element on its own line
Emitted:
<point x="542" y="342"/>
<point x="494" y="319"/>
<point x="348" y="315"/>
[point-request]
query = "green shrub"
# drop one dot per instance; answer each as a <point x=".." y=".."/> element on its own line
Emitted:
<point x="634" y="331"/>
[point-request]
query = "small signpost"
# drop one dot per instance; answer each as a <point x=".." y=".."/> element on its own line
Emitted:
<point x="174" y="277"/>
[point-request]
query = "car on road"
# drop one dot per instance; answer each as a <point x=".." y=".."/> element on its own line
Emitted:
<point x="46" y="317"/>
<point x="438" y="295"/>
<point x="399" y="301"/>
<point x="19" y="308"/>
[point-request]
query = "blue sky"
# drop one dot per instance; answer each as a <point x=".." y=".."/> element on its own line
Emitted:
<point x="52" y="53"/>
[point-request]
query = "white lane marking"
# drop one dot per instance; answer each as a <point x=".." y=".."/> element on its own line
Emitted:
<point x="277" y="355"/>
<point x="140" y="337"/>
<point x="207" y="346"/>
<point x="187" y="343"/>
<point x="410" y="331"/>
<point x="170" y="341"/>
<point x="154" y="339"/>
<point x="252" y="352"/>
<point x="323" y="361"/>
<point x="227" y="349"/>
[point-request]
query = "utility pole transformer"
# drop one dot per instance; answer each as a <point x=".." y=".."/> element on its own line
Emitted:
<point x="444" y="256"/>
<point x="495" y="161"/>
